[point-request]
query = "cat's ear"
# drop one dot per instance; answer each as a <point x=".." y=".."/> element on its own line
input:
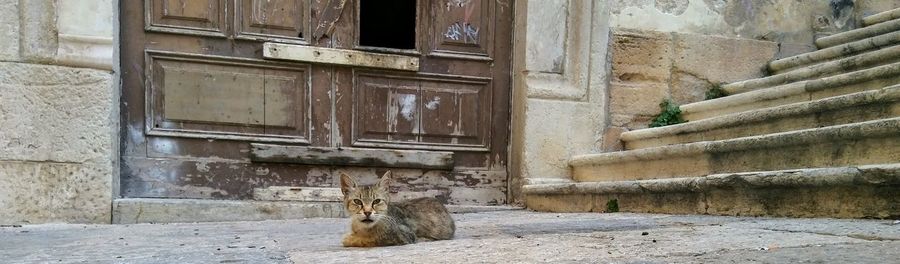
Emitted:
<point x="385" y="181"/>
<point x="347" y="183"/>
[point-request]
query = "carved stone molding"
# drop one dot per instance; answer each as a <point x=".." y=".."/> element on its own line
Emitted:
<point x="557" y="50"/>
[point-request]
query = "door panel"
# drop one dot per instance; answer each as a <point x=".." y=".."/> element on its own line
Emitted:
<point x="197" y="92"/>
<point x="192" y="17"/>
<point x="460" y="28"/>
<point x="422" y="111"/>
<point x="212" y="97"/>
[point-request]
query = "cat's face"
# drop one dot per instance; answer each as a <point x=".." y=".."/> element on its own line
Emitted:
<point x="366" y="204"/>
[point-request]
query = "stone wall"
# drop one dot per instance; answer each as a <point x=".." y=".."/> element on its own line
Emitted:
<point x="650" y="66"/>
<point x="559" y="88"/>
<point x="58" y="111"/>
<point x="794" y="24"/>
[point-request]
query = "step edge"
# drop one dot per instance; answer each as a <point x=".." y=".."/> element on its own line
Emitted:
<point x="887" y="94"/>
<point x="858" y="33"/>
<point x="871" y="59"/>
<point x="795" y="88"/>
<point x="873" y="174"/>
<point x="881" y="17"/>
<point x="867" y="129"/>
<point x="785" y="64"/>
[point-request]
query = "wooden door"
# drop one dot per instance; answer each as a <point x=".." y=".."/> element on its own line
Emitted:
<point x="199" y="97"/>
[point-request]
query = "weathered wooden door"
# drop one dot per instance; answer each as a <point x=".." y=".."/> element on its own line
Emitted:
<point x="198" y="95"/>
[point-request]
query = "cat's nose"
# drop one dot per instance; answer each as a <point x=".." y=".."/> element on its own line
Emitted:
<point x="367" y="213"/>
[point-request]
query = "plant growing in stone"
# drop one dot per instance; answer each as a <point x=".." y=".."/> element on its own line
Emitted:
<point x="715" y="92"/>
<point x="670" y="114"/>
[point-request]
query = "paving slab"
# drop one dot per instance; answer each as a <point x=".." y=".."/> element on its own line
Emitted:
<point x="506" y="236"/>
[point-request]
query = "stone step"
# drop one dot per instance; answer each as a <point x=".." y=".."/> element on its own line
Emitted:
<point x="869" y="142"/>
<point x="852" y="82"/>
<point x="859" y="33"/>
<point x="822" y="55"/>
<point x="881" y="17"/>
<point x="856" y="62"/>
<point x="857" y="107"/>
<point x="868" y="191"/>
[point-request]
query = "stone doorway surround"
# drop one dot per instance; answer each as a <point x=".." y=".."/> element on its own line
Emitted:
<point x="560" y="69"/>
<point x="58" y="111"/>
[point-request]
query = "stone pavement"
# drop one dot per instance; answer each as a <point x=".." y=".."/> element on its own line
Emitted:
<point x="511" y="236"/>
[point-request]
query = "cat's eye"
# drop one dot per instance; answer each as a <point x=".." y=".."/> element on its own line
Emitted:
<point x="377" y="201"/>
<point x="357" y="201"/>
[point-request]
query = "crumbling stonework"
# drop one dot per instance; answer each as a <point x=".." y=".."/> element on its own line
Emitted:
<point x="650" y="66"/>
<point x="792" y="24"/>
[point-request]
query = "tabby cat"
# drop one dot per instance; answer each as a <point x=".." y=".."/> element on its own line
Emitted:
<point x="375" y="221"/>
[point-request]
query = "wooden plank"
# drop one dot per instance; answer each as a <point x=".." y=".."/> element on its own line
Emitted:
<point x="302" y="194"/>
<point x="352" y="156"/>
<point x="339" y="57"/>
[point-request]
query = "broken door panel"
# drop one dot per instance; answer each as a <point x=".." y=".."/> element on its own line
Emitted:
<point x="272" y="20"/>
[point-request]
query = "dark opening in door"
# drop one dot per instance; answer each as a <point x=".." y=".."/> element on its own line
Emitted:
<point x="387" y="24"/>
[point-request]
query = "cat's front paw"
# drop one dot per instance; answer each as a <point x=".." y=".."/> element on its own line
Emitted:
<point x="353" y="241"/>
<point x="348" y="241"/>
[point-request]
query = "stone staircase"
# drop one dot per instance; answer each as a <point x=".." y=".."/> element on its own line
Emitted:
<point x="819" y="137"/>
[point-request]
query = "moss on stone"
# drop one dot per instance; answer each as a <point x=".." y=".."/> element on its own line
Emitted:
<point x="612" y="206"/>
<point x="715" y="92"/>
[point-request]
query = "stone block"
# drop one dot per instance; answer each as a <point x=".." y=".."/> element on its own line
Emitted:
<point x="720" y="59"/>
<point x="38" y="41"/>
<point x="687" y="88"/>
<point x="52" y="113"/>
<point x="43" y="192"/>
<point x="549" y="148"/>
<point x="57" y="128"/>
<point x="630" y="121"/>
<point x="786" y="49"/>
<point x="641" y="56"/>
<point x="701" y="62"/>
<point x="611" y="140"/>
<point x="635" y="101"/>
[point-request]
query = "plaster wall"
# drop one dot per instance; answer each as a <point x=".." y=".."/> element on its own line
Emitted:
<point x="793" y="24"/>
<point x="559" y="88"/>
<point x="58" y="101"/>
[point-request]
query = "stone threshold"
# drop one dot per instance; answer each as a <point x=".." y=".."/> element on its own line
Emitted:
<point x="162" y="210"/>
